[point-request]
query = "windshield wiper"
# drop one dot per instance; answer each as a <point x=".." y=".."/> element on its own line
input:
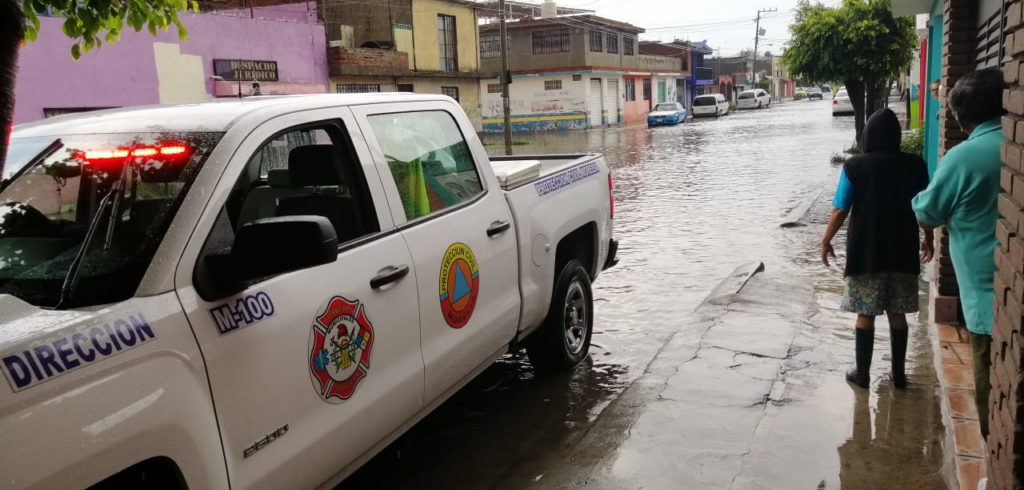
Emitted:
<point x="36" y="160"/>
<point x="71" y="279"/>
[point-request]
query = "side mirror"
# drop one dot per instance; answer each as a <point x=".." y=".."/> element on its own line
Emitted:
<point x="270" y="246"/>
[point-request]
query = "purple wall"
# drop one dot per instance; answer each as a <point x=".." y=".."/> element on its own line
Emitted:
<point x="124" y="73"/>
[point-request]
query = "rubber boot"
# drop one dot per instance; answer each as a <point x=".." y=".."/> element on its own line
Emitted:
<point x="858" y="374"/>
<point x="898" y="341"/>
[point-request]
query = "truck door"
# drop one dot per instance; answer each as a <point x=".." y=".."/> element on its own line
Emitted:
<point x="459" y="230"/>
<point x="308" y="369"/>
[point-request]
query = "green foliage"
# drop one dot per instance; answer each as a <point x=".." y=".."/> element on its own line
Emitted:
<point x="799" y="95"/>
<point x="858" y="40"/>
<point x="764" y="84"/>
<point x="913" y="142"/>
<point x="90" y="22"/>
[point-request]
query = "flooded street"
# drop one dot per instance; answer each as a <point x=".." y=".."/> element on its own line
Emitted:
<point x="693" y="203"/>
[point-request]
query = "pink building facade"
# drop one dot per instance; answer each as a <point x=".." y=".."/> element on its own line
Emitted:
<point x="282" y="47"/>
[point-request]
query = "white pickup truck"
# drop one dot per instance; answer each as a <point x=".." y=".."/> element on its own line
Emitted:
<point x="263" y="293"/>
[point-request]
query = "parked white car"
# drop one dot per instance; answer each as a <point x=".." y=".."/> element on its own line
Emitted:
<point x="753" y="99"/>
<point x="710" y="105"/>
<point x="325" y="270"/>
<point x="841" y="104"/>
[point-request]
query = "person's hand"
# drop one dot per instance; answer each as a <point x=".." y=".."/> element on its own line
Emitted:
<point x="927" y="251"/>
<point x="826" y="250"/>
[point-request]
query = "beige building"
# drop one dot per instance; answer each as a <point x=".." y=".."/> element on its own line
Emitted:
<point x="423" y="46"/>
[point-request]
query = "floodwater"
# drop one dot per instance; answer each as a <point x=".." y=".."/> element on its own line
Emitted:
<point x="692" y="203"/>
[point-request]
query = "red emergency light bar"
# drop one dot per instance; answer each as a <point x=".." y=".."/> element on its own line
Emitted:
<point x="175" y="150"/>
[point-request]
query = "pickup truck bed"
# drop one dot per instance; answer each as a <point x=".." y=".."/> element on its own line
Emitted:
<point x="531" y="168"/>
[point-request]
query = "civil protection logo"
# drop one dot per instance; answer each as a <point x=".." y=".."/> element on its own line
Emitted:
<point x="340" y="342"/>
<point x="459" y="285"/>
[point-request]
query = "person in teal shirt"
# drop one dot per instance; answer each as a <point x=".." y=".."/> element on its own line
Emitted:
<point x="962" y="197"/>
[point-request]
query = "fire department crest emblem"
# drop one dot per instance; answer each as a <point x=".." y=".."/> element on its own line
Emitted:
<point x="340" y="342"/>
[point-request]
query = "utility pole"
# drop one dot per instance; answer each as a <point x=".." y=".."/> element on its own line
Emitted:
<point x="506" y="76"/>
<point x="757" y="37"/>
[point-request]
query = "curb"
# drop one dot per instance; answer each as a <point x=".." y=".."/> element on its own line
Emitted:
<point x="732" y="284"/>
<point x="797" y="214"/>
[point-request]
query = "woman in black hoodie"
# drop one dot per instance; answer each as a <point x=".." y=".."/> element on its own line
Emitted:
<point x="882" y="261"/>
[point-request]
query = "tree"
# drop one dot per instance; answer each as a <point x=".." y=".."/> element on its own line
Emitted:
<point x="88" y="22"/>
<point x="858" y="43"/>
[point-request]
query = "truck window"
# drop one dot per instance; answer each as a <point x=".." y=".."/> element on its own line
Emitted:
<point x="309" y="170"/>
<point x="83" y="215"/>
<point x="274" y="154"/>
<point x="429" y="159"/>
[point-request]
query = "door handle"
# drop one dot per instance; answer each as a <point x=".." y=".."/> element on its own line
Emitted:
<point x="389" y="275"/>
<point x="498" y="227"/>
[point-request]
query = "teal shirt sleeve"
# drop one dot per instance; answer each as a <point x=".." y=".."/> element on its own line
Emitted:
<point x="934" y="206"/>
<point x="844" y="193"/>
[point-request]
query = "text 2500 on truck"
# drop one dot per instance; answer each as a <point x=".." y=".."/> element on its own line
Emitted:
<point x="266" y="292"/>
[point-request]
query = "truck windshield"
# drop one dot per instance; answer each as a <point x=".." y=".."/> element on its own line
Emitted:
<point x="82" y="215"/>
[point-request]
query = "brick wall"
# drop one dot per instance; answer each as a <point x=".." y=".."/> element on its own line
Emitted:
<point x="958" y="44"/>
<point x="1006" y="400"/>
<point x="366" y="61"/>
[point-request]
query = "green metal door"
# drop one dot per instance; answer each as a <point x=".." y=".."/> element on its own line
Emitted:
<point x="661" y="91"/>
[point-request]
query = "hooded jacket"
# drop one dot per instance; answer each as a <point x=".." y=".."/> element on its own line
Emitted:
<point x="883" y="233"/>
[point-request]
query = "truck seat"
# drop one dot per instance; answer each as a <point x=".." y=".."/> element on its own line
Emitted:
<point x="317" y="169"/>
<point x="261" y="202"/>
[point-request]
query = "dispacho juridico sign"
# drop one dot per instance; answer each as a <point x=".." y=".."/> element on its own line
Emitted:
<point x="246" y="70"/>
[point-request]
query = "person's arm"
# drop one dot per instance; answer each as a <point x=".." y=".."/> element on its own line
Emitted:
<point x="841" y="205"/>
<point x="927" y="244"/>
<point x="835" y="222"/>
<point x="934" y="206"/>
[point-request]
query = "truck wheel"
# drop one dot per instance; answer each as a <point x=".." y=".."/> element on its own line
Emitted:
<point x="564" y="338"/>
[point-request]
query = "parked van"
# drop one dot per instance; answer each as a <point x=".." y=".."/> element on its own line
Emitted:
<point x="710" y="105"/>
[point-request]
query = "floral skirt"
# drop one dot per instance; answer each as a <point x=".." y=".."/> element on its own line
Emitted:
<point x="895" y="293"/>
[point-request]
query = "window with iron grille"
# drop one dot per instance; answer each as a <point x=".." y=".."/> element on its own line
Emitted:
<point x="627" y="45"/>
<point x="647" y="89"/>
<point x="630" y="89"/>
<point x="551" y="41"/>
<point x="613" y="43"/>
<point x="447" y="43"/>
<point x="596" y="41"/>
<point x="357" y="88"/>
<point x="452" y="92"/>
<point x="494" y="88"/>
<point x="490" y="46"/>
<point x="552" y="85"/>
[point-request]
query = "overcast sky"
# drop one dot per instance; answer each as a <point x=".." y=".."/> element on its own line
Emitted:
<point x="727" y="25"/>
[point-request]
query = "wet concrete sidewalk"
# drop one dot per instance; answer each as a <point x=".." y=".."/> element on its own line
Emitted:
<point x="738" y="399"/>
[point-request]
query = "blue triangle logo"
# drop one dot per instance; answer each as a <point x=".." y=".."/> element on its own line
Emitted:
<point x="461" y="286"/>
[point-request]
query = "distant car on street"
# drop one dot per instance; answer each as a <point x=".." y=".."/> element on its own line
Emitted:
<point x="814" y="93"/>
<point x="666" y="113"/>
<point x="826" y="89"/>
<point x="841" y="104"/>
<point x="753" y="99"/>
<point x="711" y="105"/>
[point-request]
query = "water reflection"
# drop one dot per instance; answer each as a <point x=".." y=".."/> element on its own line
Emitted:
<point x="885" y="449"/>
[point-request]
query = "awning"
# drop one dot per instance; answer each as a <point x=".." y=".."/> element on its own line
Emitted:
<point x="901" y="8"/>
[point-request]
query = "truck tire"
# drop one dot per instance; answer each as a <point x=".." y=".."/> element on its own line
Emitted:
<point x="564" y="338"/>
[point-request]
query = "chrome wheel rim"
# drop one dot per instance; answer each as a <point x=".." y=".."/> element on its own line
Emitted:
<point x="575" y="318"/>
